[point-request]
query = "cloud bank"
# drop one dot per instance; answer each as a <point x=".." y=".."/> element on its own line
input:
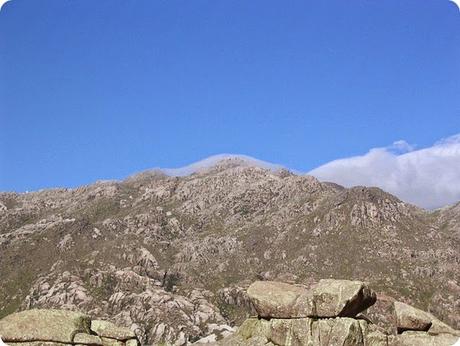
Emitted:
<point x="428" y="177"/>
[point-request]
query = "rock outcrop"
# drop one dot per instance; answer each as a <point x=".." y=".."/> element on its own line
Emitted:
<point x="327" y="314"/>
<point x="409" y="318"/>
<point x="39" y="327"/>
<point x="329" y="298"/>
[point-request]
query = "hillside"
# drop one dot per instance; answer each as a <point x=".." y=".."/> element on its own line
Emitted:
<point x="170" y="255"/>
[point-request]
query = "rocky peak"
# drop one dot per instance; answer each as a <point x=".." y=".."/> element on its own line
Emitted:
<point x="218" y="163"/>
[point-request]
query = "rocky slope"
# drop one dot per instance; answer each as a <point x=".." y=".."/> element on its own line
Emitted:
<point x="171" y="257"/>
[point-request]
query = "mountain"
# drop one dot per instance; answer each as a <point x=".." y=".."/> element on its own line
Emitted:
<point x="170" y="254"/>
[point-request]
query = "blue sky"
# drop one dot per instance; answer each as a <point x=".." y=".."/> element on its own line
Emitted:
<point x="102" y="89"/>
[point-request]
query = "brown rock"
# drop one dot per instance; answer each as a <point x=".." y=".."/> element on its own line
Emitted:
<point x="43" y="325"/>
<point x="337" y="331"/>
<point x="342" y="298"/>
<point x="329" y="298"/>
<point x="410" y="318"/>
<point x="372" y="335"/>
<point x="112" y="342"/>
<point x="87" y="339"/>
<point x="38" y="343"/>
<point x="275" y="299"/>
<point x="305" y="332"/>
<point x="417" y="338"/>
<point x="110" y="330"/>
<point x="132" y="342"/>
<point x="438" y="327"/>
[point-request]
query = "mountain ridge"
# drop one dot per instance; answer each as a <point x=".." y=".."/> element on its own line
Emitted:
<point x="222" y="160"/>
<point x="121" y="250"/>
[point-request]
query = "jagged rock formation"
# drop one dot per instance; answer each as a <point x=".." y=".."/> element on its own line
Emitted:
<point x="39" y="327"/>
<point x="171" y="257"/>
<point x="280" y="322"/>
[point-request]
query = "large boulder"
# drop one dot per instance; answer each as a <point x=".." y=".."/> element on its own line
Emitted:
<point x="40" y="343"/>
<point x="337" y="331"/>
<point x="417" y="338"/>
<point x="302" y="332"/>
<point x="372" y="334"/>
<point x="342" y="298"/>
<point x="329" y="298"/>
<point x="44" y="325"/>
<point x="109" y="330"/>
<point x="410" y="318"/>
<point x="276" y="299"/>
<point x="87" y="339"/>
<point x="256" y="332"/>
<point x="291" y="331"/>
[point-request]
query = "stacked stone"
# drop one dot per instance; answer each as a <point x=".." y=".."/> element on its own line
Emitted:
<point x="328" y="314"/>
<point x="42" y="327"/>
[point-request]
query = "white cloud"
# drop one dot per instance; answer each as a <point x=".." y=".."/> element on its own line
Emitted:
<point x="428" y="177"/>
<point x="401" y="146"/>
<point x="213" y="160"/>
<point x="3" y="2"/>
<point x="456" y="2"/>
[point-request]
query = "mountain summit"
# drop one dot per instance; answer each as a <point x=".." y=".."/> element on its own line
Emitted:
<point x="219" y="162"/>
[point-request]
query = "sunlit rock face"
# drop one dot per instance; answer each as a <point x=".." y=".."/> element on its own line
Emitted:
<point x="281" y="322"/>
